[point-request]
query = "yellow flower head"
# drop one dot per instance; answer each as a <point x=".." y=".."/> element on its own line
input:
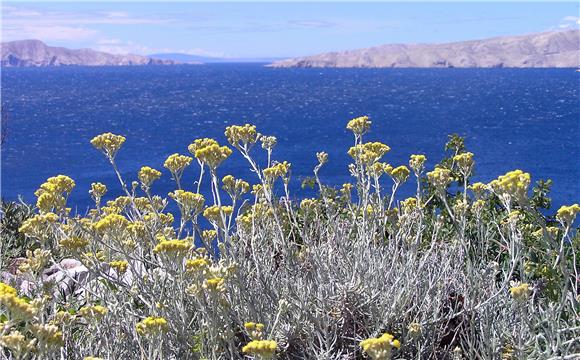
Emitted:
<point x="439" y="178"/>
<point x="191" y="203"/>
<point x="359" y="125"/>
<point x="173" y="247"/>
<point x="18" y="343"/>
<point x="214" y="213"/>
<point x="211" y="155"/>
<point x="254" y="330"/>
<point x="520" y="291"/>
<point x="197" y="265"/>
<point x="278" y="170"/>
<point x="119" y="265"/>
<point x="478" y="189"/>
<point x="268" y="142"/>
<point x="263" y="348"/>
<point x="97" y="190"/>
<point x="567" y="214"/>
<point x="47" y="334"/>
<point x="112" y="223"/>
<point x="417" y="163"/>
<point x="322" y="157"/>
<point x="151" y="326"/>
<point x="235" y="187"/>
<point x="241" y="136"/>
<point x="148" y="175"/>
<point x="176" y="163"/>
<point x="368" y="153"/>
<point x="73" y="243"/>
<point x="464" y="161"/>
<point x="108" y="143"/>
<point x="380" y="348"/>
<point x="400" y="174"/>
<point x="216" y="284"/>
<point x="93" y="312"/>
<point x="512" y="184"/>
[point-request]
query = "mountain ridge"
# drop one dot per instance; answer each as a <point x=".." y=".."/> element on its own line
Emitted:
<point x="35" y="53"/>
<point x="547" y="49"/>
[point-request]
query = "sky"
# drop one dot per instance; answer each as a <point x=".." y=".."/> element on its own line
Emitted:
<point x="273" y="29"/>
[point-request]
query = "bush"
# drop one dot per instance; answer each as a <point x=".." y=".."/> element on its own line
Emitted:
<point x="460" y="270"/>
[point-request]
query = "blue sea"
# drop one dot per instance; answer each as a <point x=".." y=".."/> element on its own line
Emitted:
<point x="525" y="119"/>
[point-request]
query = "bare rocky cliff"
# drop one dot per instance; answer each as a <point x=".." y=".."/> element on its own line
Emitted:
<point x="548" y="49"/>
<point x="27" y="53"/>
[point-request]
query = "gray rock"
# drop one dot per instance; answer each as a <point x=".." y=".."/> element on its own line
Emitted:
<point x="32" y="53"/>
<point x="548" y="49"/>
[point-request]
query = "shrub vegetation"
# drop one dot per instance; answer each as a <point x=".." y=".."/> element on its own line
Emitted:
<point x="461" y="270"/>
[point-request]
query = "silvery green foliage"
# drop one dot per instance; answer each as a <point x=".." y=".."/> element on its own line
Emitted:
<point x="437" y="271"/>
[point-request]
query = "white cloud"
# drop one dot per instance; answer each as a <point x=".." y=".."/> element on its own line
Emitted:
<point x="21" y="22"/>
<point x="47" y="33"/>
<point x="569" y="22"/>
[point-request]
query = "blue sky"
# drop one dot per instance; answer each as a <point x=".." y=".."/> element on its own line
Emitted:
<point x="273" y="29"/>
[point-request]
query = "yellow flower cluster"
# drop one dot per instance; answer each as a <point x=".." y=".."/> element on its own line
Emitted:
<point x="151" y="326"/>
<point x="97" y="191"/>
<point x="520" y="291"/>
<point x="148" y="175"/>
<point x="409" y="204"/>
<point x="359" y="125"/>
<point x="268" y="142"/>
<point x="400" y="174"/>
<point x="257" y="212"/>
<point x="214" y="213"/>
<point x="53" y="193"/>
<point x="73" y="243"/>
<point x="191" y="203"/>
<point x="176" y="163"/>
<point x="47" y="334"/>
<point x="439" y="178"/>
<point x="379" y="168"/>
<point x="567" y="214"/>
<point x="255" y="330"/>
<point x="93" y="311"/>
<point x="308" y="204"/>
<point x="322" y="157"/>
<point x="197" y="265"/>
<point x="173" y="246"/>
<point x="464" y="161"/>
<point x="241" y="136"/>
<point x="209" y="152"/>
<point x="37" y="225"/>
<point x="263" y="348"/>
<point x="19" y="308"/>
<point x="278" y="170"/>
<point x="380" y="348"/>
<point x="119" y="265"/>
<point x="514" y="183"/>
<point x="216" y="284"/>
<point x="112" y="223"/>
<point x="108" y="143"/>
<point x="18" y="343"/>
<point x="368" y="153"/>
<point x="478" y="189"/>
<point x="235" y="187"/>
<point x="417" y="163"/>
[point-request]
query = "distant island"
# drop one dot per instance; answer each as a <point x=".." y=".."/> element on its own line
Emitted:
<point x="560" y="49"/>
<point x="35" y="53"/>
<point x="188" y="58"/>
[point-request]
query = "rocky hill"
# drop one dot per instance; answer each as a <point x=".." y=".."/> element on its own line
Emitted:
<point x="26" y="53"/>
<point x="548" y="49"/>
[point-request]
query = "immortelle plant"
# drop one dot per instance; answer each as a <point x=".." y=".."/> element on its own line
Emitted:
<point x="461" y="270"/>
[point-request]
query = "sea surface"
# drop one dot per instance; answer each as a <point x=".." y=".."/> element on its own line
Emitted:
<point x="525" y="119"/>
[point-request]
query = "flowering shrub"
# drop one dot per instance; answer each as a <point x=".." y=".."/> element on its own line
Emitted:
<point x="460" y="270"/>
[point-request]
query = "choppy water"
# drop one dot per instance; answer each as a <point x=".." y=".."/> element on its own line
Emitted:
<point x="526" y="118"/>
